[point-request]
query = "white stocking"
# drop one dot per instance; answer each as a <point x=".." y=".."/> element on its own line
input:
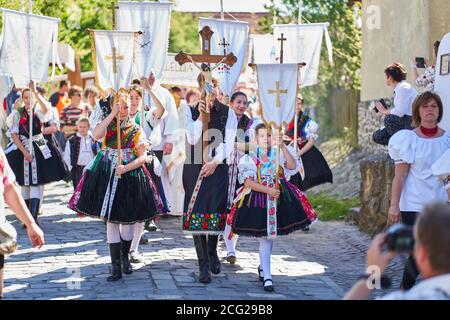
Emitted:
<point x="127" y="231"/>
<point x="137" y="233"/>
<point x="112" y="232"/>
<point x="25" y="193"/>
<point x="265" y="251"/>
<point x="230" y="243"/>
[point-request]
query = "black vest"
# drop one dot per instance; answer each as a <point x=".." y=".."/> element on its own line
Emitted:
<point x="218" y="121"/>
<point x="24" y="129"/>
<point x="74" y="143"/>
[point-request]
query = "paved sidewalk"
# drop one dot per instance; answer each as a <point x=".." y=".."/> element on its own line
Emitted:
<point x="74" y="263"/>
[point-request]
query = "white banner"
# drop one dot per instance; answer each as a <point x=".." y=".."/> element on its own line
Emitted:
<point x="176" y="75"/>
<point x="235" y="35"/>
<point x="153" y="20"/>
<point x="262" y="49"/>
<point x="29" y="43"/>
<point x="110" y="44"/>
<point x="277" y="85"/>
<point x="303" y="44"/>
<point x="442" y="84"/>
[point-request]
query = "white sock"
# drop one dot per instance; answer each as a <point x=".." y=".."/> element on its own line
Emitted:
<point x="127" y="231"/>
<point x="265" y="251"/>
<point x="25" y="193"/>
<point x="35" y="192"/>
<point x="112" y="232"/>
<point x="230" y="243"/>
<point x="137" y="234"/>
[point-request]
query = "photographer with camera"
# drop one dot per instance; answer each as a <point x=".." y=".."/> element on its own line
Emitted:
<point x="415" y="152"/>
<point x="429" y="242"/>
<point x="399" y="117"/>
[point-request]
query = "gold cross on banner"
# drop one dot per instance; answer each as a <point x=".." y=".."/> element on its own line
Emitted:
<point x="278" y="92"/>
<point x="114" y="57"/>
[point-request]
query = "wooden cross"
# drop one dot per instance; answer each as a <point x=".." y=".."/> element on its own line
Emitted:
<point x="278" y="92"/>
<point x="206" y="56"/>
<point x="224" y="44"/>
<point x="282" y="39"/>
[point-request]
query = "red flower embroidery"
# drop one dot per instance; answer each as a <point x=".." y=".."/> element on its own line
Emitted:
<point x="23" y="121"/>
<point x="205" y="225"/>
<point x="207" y="217"/>
<point x="186" y="225"/>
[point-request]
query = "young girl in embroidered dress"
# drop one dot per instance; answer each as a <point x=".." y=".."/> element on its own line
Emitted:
<point x="263" y="210"/>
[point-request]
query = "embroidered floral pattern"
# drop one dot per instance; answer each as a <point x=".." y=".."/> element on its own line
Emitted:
<point x="213" y="222"/>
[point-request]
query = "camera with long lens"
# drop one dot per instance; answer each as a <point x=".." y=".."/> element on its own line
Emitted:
<point x="400" y="238"/>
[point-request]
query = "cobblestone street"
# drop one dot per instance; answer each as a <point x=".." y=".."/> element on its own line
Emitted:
<point x="74" y="263"/>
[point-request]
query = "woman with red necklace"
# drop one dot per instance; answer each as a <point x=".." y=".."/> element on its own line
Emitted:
<point x="414" y="152"/>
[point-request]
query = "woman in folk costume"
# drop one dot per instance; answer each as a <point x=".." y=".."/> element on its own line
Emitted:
<point x="238" y="103"/>
<point x="44" y="164"/>
<point x="206" y="185"/>
<point x="121" y="193"/>
<point x="263" y="210"/>
<point x="316" y="169"/>
<point x="150" y="124"/>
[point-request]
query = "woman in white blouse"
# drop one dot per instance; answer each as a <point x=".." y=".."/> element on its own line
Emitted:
<point x="399" y="117"/>
<point x="426" y="80"/>
<point x="415" y="152"/>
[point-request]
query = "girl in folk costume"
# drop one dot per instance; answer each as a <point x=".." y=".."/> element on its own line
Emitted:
<point x="121" y="193"/>
<point x="44" y="164"/>
<point x="238" y="103"/>
<point x="150" y="124"/>
<point x="261" y="209"/>
<point x="205" y="203"/>
<point x="316" y="169"/>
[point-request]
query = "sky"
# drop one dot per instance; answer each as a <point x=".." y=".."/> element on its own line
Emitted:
<point x="214" y="5"/>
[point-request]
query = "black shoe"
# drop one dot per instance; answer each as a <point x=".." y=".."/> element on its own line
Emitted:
<point x="305" y="229"/>
<point x="201" y="249"/>
<point x="260" y="274"/>
<point x="124" y="256"/>
<point x="150" y="226"/>
<point x="214" y="261"/>
<point x="269" y="287"/>
<point x="116" y="271"/>
<point x="34" y="209"/>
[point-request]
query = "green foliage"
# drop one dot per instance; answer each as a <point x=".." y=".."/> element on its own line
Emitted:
<point x="329" y="208"/>
<point x="346" y="39"/>
<point x="184" y="33"/>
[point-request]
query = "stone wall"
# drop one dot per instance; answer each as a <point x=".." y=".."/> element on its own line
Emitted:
<point x="368" y="122"/>
<point x="377" y="173"/>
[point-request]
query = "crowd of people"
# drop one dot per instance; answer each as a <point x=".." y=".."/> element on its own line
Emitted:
<point x="151" y="151"/>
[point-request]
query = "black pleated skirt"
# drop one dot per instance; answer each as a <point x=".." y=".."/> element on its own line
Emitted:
<point x="317" y="171"/>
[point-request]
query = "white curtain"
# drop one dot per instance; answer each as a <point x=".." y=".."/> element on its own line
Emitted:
<point x="105" y="42"/>
<point x="235" y="34"/>
<point x="442" y="83"/>
<point x="303" y="44"/>
<point x="277" y="85"/>
<point x="25" y="55"/>
<point x="153" y="20"/>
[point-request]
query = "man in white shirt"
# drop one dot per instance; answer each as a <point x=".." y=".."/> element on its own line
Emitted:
<point x="400" y="116"/>
<point x="432" y="240"/>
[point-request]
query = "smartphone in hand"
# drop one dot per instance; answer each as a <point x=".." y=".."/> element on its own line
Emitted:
<point x="420" y="63"/>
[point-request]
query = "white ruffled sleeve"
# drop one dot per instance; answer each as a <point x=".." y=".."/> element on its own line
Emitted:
<point x="96" y="117"/>
<point x="44" y="117"/>
<point x="311" y="129"/>
<point x="402" y="147"/>
<point x="12" y="122"/>
<point x="287" y="172"/>
<point x="247" y="169"/>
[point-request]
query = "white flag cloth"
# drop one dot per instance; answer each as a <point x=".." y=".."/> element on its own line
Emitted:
<point x="442" y="83"/>
<point x="235" y="34"/>
<point x="29" y="43"/>
<point x="304" y="44"/>
<point x="5" y="86"/>
<point x="153" y="20"/>
<point x="109" y="43"/>
<point x="277" y="85"/>
<point x="262" y="49"/>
